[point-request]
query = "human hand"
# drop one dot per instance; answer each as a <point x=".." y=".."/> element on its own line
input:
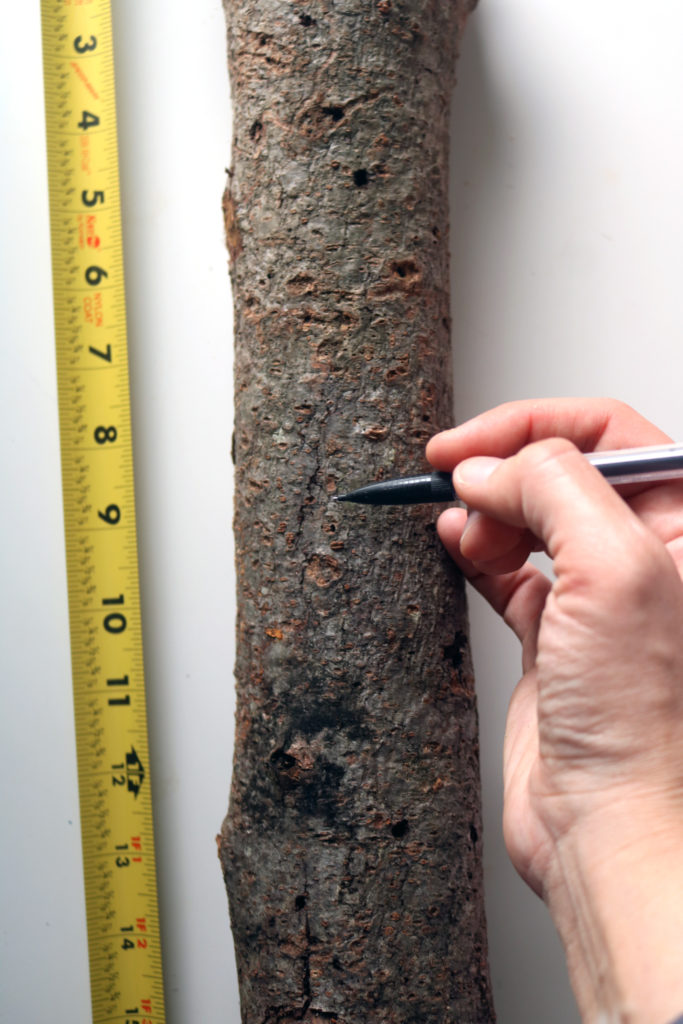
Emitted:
<point x="593" y="753"/>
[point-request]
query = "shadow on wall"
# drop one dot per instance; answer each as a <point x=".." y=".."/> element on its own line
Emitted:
<point x="482" y="207"/>
<point x="527" y="962"/>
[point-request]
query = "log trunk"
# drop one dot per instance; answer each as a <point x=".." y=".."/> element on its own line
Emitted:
<point x="352" y="848"/>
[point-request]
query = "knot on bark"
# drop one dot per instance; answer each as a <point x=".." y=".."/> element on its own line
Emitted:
<point x="323" y="570"/>
<point x="292" y="766"/>
<point x="401" y="277"/>
<point x="308" y="780"/>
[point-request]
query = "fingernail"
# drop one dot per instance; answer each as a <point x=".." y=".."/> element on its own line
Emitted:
<point x="475" y="471"/>
<point x="472" y="517"/>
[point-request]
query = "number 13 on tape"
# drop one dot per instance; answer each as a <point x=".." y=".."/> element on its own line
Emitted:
<point x="99" y="514"/>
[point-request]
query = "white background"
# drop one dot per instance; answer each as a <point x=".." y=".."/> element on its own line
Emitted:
<point x="566" y="239"/>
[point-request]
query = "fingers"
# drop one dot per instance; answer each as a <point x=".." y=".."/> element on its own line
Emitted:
<point x="590" y="423"/>
<point x="495" y="547"/>
<point x="518" y="597"/>
<point x="549" y="489"/>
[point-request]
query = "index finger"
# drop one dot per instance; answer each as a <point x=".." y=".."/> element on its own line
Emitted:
<point x="590" y="423"/>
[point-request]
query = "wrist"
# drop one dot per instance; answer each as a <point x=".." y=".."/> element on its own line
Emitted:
<point x="615" y="892"/>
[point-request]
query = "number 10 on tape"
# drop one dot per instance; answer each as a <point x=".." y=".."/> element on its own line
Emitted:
<point x="99" y="514"/>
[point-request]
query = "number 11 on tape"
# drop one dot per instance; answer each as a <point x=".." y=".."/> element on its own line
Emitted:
<point x="99" y="514"/>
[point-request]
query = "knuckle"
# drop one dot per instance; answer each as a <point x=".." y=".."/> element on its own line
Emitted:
<point x="539" y="454"/>
<point x="612" y="405"/>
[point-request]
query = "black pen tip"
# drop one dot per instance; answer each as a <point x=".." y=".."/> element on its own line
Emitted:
<point x="338" y="497"/>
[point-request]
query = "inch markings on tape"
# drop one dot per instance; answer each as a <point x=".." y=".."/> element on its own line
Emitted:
<point x="99" y="514"/>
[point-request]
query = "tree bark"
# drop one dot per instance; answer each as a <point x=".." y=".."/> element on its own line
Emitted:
<point x="351" y="850"/>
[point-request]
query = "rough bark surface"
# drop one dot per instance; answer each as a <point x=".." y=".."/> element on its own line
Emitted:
<point x="351" y="851"/>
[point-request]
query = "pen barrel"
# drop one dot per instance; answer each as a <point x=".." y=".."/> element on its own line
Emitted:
<point x="442" y="488"/>
<point x="416" y="490"/>
<point x="410" y="490"/>
<point x="640" y="465"/>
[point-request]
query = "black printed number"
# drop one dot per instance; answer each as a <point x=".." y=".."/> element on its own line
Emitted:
<point x="94" y="275"/>
<point x="104" y="434"/>
<point x="88" y="120"/>
<point x="111" y="514"/>
<point x="91" y="200"/>
<point x="81" y="47"/>
<point x="106" y="355"/>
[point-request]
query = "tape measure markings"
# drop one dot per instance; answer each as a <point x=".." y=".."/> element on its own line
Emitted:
<point x="99" y="514"/>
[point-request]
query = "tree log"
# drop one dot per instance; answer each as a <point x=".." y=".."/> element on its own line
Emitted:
<point x="352" y="847"/>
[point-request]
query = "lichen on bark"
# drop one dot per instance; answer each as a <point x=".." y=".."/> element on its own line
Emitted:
<point x="352" y="848"/>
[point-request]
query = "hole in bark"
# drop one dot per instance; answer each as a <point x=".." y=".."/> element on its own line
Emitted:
<point x="336" y="963"/>
<point x="256" y="131"/>
<point x="360" y="177"/>
<point x="404" y="268"/>
<point x="336" y="113"/>
<point x="455" y="652"/>
<point x="474" y="835"/>
<point x="399" y="828"/>
<point x="300" y="902"/>
<point x="300" y="284"/>
<point x="282" y="761"/>
<point x="306" y="20"/>
<point x="400" y="369"/>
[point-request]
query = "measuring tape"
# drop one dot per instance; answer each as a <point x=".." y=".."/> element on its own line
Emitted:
<point x="99" y="514"/>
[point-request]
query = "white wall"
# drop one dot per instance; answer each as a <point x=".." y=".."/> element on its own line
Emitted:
<point x="566" y="237"/>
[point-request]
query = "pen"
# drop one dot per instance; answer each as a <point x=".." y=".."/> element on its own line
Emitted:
<point x="626" y="466"/>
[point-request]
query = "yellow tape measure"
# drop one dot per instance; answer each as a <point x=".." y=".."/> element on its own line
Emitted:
<point x="99" y="513"/>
